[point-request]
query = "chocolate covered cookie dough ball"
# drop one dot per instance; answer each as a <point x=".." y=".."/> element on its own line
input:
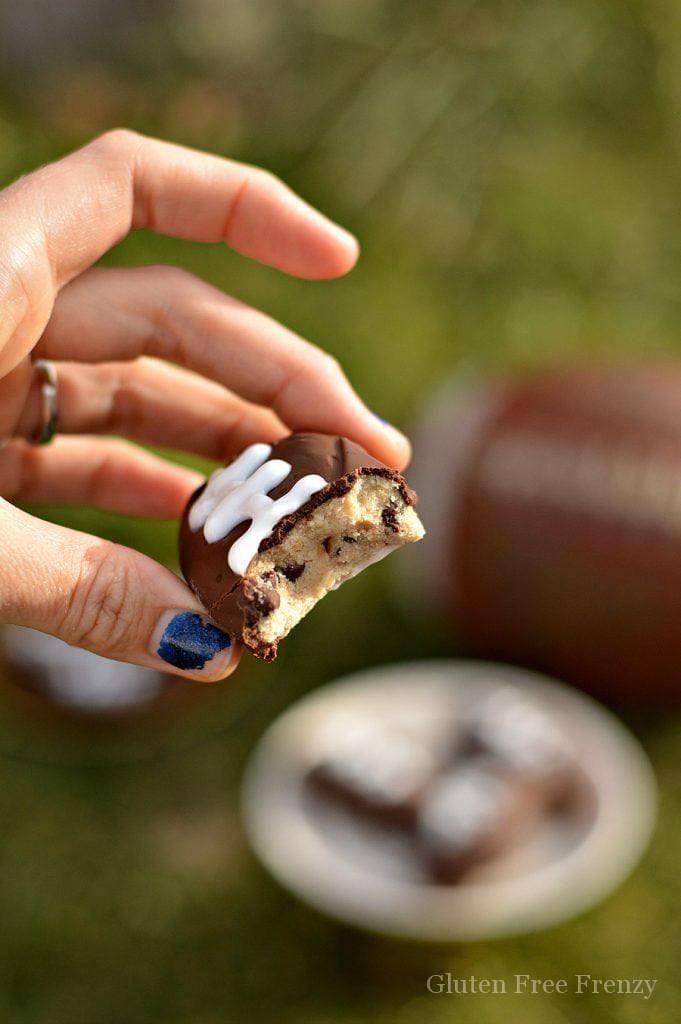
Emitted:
<point x="374" y="768"/>
<point x="269" y="535"/>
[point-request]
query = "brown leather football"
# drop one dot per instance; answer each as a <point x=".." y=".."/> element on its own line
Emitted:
<point x="553" y="514"/>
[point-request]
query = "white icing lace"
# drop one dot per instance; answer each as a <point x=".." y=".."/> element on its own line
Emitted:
<point x="241" y="492"/>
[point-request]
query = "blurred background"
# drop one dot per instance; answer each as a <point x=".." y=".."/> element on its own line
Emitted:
<point x="513" y="173"/>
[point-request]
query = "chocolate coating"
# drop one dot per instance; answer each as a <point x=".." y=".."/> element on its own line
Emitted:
<point x="233" y="601"/>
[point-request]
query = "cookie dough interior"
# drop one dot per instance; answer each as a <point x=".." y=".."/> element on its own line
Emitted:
<point x="335" y="542"/>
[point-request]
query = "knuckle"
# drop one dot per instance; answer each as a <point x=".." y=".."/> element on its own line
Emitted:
<point x="170" y="272"/>
<point x="104" y="608"/>
<point x="120" y="413"/>
<point x="328" y="366"/>
<point x="116" y="139"/>
<point x="178" y="284"/>
<point x="266" y="179"/>
<point x="118" y="451"/>
<point x="174" y="291"/>
<point x="255" y="181"/>
<point x="310" y="367"/>
<point x="166" y="337"/>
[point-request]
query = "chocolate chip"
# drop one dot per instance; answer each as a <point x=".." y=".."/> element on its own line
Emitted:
<point x="348" y="539"/>
<point x="292" y="572"/>
<point x="326" y="544"/>
<point x="389" y="517"/>
<point x="257" y="602"/>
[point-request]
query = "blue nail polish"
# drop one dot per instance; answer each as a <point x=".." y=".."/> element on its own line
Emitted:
<point x="189" y="642"/>
<point x="381" y="420"/>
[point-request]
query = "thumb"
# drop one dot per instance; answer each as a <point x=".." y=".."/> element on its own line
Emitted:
<point x="106" y="598"/>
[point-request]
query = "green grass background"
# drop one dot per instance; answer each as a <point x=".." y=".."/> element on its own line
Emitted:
<point x="512" y="170"/>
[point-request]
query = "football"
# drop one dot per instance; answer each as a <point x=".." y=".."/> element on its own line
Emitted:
<point x="552" y="506"/>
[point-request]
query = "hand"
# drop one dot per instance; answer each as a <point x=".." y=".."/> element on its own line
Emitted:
<point x="157" y="356"/>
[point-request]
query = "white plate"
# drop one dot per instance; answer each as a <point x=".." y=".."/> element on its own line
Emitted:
<point x="367" y="878"/>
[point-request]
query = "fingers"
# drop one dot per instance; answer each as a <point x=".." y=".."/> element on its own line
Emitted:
<point x="123" y="313"/>
<point x="57" y="221"/>
<point x="154" y="403"/>
<point x="107" y="599"/>
<point x="14" y="389"/>
<point x="112" y="475"/>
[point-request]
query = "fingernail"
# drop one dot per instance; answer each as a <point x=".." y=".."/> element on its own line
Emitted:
<point x="389" y="426"/>
<point x="348" y="239"/>
<point x="187" y="641"/>
<point x="397" y="438"/>
<point x="333" y="228"/>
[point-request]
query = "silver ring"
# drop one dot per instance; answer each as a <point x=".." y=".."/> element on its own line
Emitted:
<point x="49" y="403"/>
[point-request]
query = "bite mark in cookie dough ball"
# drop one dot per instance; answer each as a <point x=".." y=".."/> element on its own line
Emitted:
<point x="276" y="530"/>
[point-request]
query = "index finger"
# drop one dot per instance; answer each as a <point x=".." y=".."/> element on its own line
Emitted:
<point x="60" y="219"/>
